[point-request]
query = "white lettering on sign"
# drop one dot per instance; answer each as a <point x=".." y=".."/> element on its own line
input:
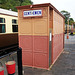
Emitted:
<point x="32" y="13"/>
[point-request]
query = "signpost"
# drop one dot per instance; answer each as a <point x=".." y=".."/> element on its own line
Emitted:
<point x="32" y="13"/>
<point x="68" y="29"/>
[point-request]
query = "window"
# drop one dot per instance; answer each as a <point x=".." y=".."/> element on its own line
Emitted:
<point x="2" y="28"/>
<point x="15" y="28"/>
<point x="14" y="25"/>
<point x="2" y="20"/>
<point x="2" y="25"/>
<point x="14" y="21"/>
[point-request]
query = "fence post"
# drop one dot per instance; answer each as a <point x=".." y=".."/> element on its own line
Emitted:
<point x="19" y="60"/>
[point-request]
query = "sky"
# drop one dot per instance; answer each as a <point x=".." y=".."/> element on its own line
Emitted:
<point x="68" y="5"/>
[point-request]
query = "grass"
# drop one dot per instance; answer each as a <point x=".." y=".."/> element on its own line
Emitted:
<point x="74" y="33"/>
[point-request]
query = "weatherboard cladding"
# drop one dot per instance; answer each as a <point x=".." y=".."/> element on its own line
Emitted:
<point x="57" y="23"/>
<point x="57" y="46"/>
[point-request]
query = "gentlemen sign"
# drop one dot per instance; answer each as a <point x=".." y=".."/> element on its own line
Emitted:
<point x="32" y="13"/>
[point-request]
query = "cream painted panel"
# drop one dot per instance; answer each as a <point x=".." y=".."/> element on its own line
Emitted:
<point x="8" y="25"/>
<point x="40" y="27"/>
<point x="33" y="26"/>
<point x="25" y="27"/>
<point x="8" y="20"/>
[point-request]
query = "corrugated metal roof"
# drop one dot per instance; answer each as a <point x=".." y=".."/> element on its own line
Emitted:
<point x="8" y="12"/>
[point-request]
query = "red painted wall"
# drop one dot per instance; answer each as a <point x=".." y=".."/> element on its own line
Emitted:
<point x="57" y="46"/>
<point x="34" y="50"/>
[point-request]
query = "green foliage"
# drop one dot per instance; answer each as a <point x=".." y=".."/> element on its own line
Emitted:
<point x="74" y="24"/>
<point x="26" y="2"/>
<point x="71" y="21"/>
<point x="66" y="14"/>
<point x="11" y="4"/>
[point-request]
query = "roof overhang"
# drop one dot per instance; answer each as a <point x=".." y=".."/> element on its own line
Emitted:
<point x="40" y="5"/>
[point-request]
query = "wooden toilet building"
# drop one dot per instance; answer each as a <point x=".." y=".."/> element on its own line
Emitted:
<point x="41" y="34"/>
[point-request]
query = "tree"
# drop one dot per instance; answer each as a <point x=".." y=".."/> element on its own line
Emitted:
<point x="26" y="2"/>
<point x="71" y="21"/>
<point x="66" y="14"/>
<point x="74" y="24"/>
<point x="11" y="4"/>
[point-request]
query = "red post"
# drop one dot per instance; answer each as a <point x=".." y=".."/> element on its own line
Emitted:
<point x="68" y="29"/>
